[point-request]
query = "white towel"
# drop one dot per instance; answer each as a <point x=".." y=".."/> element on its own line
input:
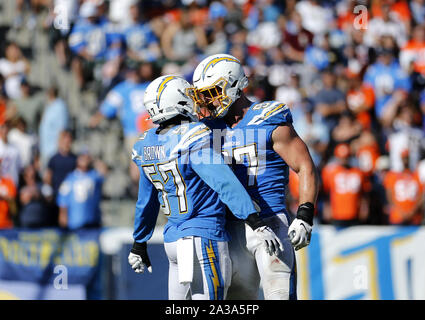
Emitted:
<point x="185" y="259"/>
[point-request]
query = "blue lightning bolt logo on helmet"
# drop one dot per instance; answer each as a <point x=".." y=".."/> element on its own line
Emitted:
<point x="219" y="80"/>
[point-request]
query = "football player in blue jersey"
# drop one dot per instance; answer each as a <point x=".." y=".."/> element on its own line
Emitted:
<point x="261" y="144"/>
<point x="185" y="177"/>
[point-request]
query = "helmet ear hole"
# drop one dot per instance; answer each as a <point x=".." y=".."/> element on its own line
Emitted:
<point x="166" y="97"/>
<point x="244" y="83"/>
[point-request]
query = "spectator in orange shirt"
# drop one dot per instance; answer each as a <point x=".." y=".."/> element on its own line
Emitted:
<point x="360" y="99"/>
<point x="405" y="195"/>
<point x="400" y="8"/>
<point x="413" y="53"/>
<point x="367" y="152"/>
<point x="7" y="201"/>
<point x="347" y="187"/>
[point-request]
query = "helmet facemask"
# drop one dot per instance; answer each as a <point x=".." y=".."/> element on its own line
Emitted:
<point x="212" y="101"/>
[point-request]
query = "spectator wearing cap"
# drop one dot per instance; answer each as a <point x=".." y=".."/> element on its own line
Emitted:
<point x="80" y="195"/>
<point x="347" y="188"/>
<point x="54" y="120"/>
<point x="389" y="83"/>
<point x="404" y="195"/>
<point x="7" y="199"/>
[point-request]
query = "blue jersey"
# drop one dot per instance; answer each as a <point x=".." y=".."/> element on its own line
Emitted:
<point x="125" y="100"/>
<point x="81" y="193"/>
<point x="138" y="38"/>
<point x="317" y="57"/>
<point x="185" y="175"/>
<point x="385" y="79"/>
<point x="248" y="146"/>
<point x="98" y="39"/>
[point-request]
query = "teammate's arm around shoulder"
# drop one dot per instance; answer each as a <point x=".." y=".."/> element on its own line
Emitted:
<point x="292" y="149"/>
<point x="219" y="177"/>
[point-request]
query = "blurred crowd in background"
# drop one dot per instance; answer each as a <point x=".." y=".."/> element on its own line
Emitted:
<point x="73" y="75"/>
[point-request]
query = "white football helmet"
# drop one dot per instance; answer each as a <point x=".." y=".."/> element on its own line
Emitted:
<point x="167" y="97"/>
<point x="221" y="78"/>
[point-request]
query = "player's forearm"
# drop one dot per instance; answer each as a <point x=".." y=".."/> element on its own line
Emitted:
<point x="309" y="183"/>
<point x="229" y="189"/>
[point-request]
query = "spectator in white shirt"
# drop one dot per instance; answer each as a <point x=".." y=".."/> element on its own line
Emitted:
<point x="11" y="164"/>
<point x="13" y="67"/>
<point x="389" y="24"/>
<point x="22" y="140"/>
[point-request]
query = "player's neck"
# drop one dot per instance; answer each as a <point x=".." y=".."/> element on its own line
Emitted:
<point x="171" y="123"/>
<point x="237" y="111"/>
